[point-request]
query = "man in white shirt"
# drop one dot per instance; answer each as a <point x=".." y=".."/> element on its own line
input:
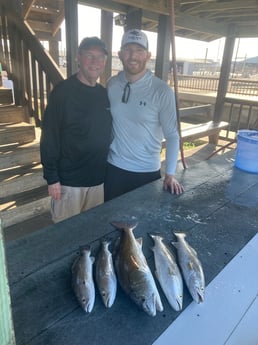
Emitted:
<point x="143" y="111"/>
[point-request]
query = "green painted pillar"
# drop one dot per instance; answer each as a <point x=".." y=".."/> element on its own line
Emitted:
<point x="6" y="324"/>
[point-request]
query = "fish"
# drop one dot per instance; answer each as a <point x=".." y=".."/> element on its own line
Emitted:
<point x="82" y="279"/>
<point x="191" y="267"/>
<point x="133" y="272"/>
<point x="105" y="275"/>
<point x="168" y="273"/>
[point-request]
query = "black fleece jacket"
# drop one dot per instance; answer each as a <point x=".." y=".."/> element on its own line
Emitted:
<point x="76" y="134"/>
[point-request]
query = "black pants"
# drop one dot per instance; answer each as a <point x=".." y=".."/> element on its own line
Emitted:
<point x="119" y="181"/>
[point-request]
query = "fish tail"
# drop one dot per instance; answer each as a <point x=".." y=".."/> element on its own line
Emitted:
<point x="153" y="235"/>
<point x="124" y="226"/>
<point x="105" y="241"/>
<point x="85" y="248"/>
<point x="180" y="234"/>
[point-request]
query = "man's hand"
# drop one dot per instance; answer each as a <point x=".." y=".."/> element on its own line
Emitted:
<point x="54" y="190"/>
<point x="172" y="185"/>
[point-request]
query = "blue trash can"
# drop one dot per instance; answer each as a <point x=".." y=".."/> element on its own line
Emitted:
<point x="247" y="150"/>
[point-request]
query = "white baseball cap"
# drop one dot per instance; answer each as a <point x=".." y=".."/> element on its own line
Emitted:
<point x="135" y="36"/>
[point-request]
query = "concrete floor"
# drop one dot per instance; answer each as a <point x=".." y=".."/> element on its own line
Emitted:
<point x="192" y="156"/>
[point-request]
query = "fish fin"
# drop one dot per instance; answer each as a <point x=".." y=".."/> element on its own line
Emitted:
<point x="139" y="241"/>
<point x="180" y="234"/>
<point x="190" y="265"/>
<point x="84" y="248"/>
<point x="124" y="226"/>
<point x="175" y="244"/>
<point x="155" y="234"/>
<point x="134" y="261"/>
<point x="105" y="240"/>
<point x="194" y="252"/>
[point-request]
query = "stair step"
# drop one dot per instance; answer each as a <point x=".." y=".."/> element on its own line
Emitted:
<point x="17" y="155"/>
<point x="16" y="133"/>
<point x="20" y="179"/>
<point x="22" y="206"/>
<point x="12" y="114"/>
<point x="6" y="95"/>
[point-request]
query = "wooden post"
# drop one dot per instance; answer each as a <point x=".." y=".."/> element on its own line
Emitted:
<point x="106" y="36"/>
<point x="53" y="47"/>
<point x="133" y="19"/>
<point x="163" y="48"/>
<point x="71" y="29"/>
<point x="224" y="75"/>
<point x="6" y="324"/>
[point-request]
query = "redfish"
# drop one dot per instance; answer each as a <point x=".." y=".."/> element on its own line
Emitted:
<point x="133" y="272"/>
<point x="82" y="279"/>
<point x="105" y="275"/>
<point x="191" y="267"/>
<point x="167" y="273"/>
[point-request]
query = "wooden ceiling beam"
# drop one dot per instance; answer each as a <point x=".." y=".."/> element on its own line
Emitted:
<point x="158" y="6"/>
<point x="40" y="26"/>
<point x="26" y="8"/>
<point x="217" y="6"/>
<point x="106" y="5"/>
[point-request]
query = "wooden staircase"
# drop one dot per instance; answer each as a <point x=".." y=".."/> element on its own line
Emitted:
<point x="23" y="191"/>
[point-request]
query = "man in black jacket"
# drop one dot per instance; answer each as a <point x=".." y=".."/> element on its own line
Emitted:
<point x="76" y="134"/>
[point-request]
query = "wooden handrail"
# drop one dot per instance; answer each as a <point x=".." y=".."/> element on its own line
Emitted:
<point x="29" y="65"/>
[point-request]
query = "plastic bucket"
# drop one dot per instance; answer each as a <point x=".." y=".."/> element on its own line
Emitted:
<point x="247" y="150"/>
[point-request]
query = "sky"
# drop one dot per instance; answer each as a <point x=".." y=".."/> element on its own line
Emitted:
<point x="89" y="25"/>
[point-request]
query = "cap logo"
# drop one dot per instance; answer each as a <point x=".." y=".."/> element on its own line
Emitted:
<point x="135" y="35"/>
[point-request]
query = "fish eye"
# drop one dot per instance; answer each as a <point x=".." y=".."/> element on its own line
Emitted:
<point x="84" y="300"/>
<point x="103" y="294"/>
<point x="143" y="299"/>
<point x="84" y="283"/>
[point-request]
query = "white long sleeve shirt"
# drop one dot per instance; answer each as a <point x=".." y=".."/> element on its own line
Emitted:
<point x="140" y="125"/>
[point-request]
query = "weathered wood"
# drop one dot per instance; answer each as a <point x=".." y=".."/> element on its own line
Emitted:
<point x="22" y="183"/>
<point x="26" y="210"/>
<point x="106" y="36"/>
<point x="209" y="129"/>
<point x="15" y="155"/>
<point x="224" y="75"/>
<point x="6" y="96"/>
<point x="7" y="336"/>
<point x="11" y="113"/>
<point x="163" y="48"/>
<point x="202" y="130"/>
<point x="71" y="29"/>
<point x="16" y="133"/>
<point x="196" y="110"/>
<point x="133" y="18"/>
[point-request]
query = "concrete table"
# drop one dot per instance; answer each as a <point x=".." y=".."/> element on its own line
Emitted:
<point x="218" y="212"/>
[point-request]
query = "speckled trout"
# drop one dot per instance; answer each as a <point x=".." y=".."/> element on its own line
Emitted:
<point x="133" y="272"/>
<point x="167" y="273"/>
<point x="191" y="267"/>
<point x="82" y="279"/>
<point x="105" y="275"/>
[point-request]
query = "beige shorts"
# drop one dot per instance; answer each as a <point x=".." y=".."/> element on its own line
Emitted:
<point x="75" y="200"/>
